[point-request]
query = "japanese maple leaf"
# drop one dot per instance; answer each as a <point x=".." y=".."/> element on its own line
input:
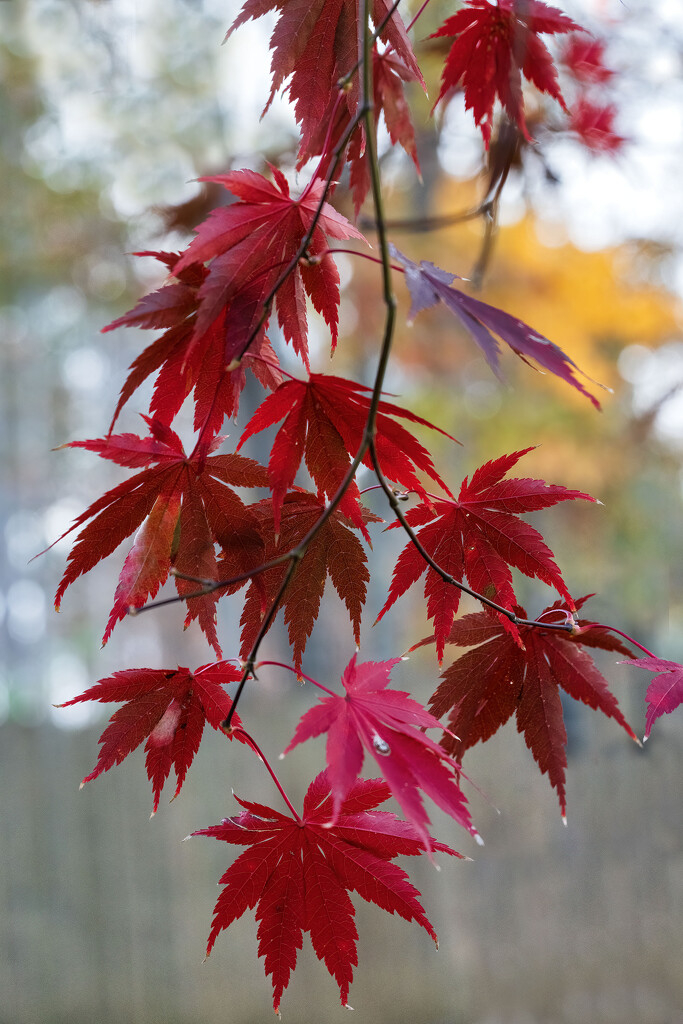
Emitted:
<point x="168" y="708"/>
<point x="335" y="552"/>
<point x="298" y="871"/>
<point x="191" y="356"/>
<point x="324" y="421"/>
<point x="583" y="56"/>
<point x="665" y="692"/>
<point x="388" y="724"/>
<point x="181" y="506"/>
<point x="429" y="284"/>
<point x="478" y="537"/>
<point x="250" y="243"/>
<point x="495" y="44"/>
<point x="389" y="76"/>
<point x="315" y="44"/>
<point x="593" y="123"/>
<point x="498" y="677"/>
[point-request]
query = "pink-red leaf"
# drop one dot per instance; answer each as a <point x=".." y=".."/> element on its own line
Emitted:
<point x="389" y="725"/>
<point x="665" y="692"/>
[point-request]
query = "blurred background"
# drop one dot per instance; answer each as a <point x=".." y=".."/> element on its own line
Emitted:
<point x="109" y="111"/>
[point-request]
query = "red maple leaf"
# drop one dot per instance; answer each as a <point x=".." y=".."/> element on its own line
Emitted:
<point x="429" y="284"/>
<point x="478" y="536"/>
<point x="496" y="44"/>
<point x="168" y="708"/>
<point x="181" y="506"/>
<point x="594" y="125"/>
<point x="583" y="56"/>
<point x="316" y="44"/>
<point x="325" y="418"/>
<point x="389" y="75"/>
<point x="191" y="355"/>
<point x="388" y="724"/>
<point x="250" y="243"/>
<point x="665" y="692"/>
<point x="498" y="677"/>
<point x="335" y="552"/>
<point x="298" y="872"/>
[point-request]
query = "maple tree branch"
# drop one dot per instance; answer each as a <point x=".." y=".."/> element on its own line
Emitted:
<point x="365" y="110"/>
<point x="374" y="36"/>
<point x="393" y="498"/>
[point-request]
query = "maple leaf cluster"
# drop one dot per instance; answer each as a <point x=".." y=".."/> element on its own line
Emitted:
<point x="218" y="523"/>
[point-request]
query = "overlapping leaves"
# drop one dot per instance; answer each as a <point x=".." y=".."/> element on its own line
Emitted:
<point x="181" y="507"/>
<point x="334" y="552"/>
<point x="389" y="725"/>
<point x="315" y="45"/>
<point x="249" y="245"/>
<point x="324" y="421"/>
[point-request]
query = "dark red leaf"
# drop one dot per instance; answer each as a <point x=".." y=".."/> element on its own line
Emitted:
<point x="498" y="678"/>
<point x="335" y="552"/>
<point x="168" y="708"/>
<point x="325" y="418"/>
<point x="179" y="507"/>
<point x="315" y="43"/>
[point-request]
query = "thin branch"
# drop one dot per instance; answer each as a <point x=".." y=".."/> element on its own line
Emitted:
<point x="563" y="627"/>
<point x="257" y="750"/>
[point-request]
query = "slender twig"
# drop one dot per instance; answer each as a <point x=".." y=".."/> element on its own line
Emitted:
<point x="613" y="629"/>
<point x="237" y="729"/>
<point x="563" y="627"/>
<point x="298" y="672"/>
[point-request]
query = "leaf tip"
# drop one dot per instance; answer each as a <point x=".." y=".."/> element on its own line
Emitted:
<point x="81" y="785"/>
<point x="564" y="820"/>
<point x="477" y="838"/>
